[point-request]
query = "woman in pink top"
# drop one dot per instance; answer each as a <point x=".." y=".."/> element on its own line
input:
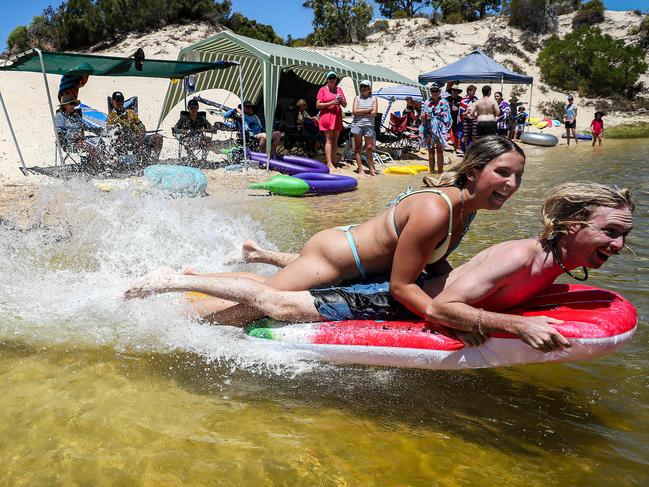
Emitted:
<point x="329" y="101"/>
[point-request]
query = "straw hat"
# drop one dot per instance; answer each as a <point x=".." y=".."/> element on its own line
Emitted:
<point x="68" y="99"/>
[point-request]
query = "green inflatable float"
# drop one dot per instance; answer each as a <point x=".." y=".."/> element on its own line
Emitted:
<point x="283" y="185"/>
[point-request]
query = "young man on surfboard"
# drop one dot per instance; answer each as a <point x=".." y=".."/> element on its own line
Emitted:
<point x="584" y="224"/>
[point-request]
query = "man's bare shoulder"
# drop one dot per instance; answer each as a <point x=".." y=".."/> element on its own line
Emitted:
<point x="514" y="254"/>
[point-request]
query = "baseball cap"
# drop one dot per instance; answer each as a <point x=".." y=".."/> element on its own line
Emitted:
<point x="192" y="103"/>
<point x="570" y="97"/>
<point x="366" y="82"/>
<point x="331" y="74"/>
<point x="248" y="103"/>
<point x="434" y="87"/>
<point x="118" y="96"/>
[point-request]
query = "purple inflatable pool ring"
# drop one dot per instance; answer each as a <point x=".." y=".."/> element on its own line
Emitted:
<point x="320" y="183"/>
<point x="289" y="164"/>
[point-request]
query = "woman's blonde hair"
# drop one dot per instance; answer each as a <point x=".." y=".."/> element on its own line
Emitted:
<point x="574" y="203"/>
<point x="477" y="157"/>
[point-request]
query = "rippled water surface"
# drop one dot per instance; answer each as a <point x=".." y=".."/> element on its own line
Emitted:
<point x="98" y="391"/>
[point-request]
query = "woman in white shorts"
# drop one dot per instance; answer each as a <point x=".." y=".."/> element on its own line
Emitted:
<point x="364" y="111"/>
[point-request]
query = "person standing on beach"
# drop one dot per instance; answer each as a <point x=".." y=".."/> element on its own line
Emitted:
<point x="330" y="100"/>
<point x="485" y="111"/>
<point x="362" y="127"/>
<point x="503" y="121"/>
<point x="435" y="125"/>
<point x="597" y="127"/>
<point x="570" y="119"/>
<point x="454" y="102"/>
<point x="468" y="123"/>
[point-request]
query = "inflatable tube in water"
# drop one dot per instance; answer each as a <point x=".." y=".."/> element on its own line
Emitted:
<point x="543" y="140"/>
<point x="289" y="164"/>
<point x="412" y="169"/>
<point x="320" y="183"/>
<point x="283" y="185"/>
<point x="179" y="180"/>
<point x="580" y="136"/>
<point x="596" y="321"/>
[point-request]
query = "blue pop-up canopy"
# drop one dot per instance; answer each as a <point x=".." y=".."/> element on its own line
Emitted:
<point x="476" y="67"/>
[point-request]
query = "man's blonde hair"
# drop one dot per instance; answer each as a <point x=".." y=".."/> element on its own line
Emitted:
<point x="574" y="203"/>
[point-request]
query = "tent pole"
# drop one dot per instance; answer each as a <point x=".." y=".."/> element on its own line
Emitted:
<point x="243" y="120"/>
<point x="502" y="78"/>
<point x="13" y="134"/>
<point x="49" y="99"/>
<point x="531" y="89"/>
<point x="185" y="92"/>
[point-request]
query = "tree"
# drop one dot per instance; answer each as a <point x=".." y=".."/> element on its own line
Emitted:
<point x="18" y="39"/>
<point x="468" y="10"/>
<point x="592" y="63"/>
<point x="533" y="15"/>
<point x="401" y="8"/>
<point x="339" y="21"/>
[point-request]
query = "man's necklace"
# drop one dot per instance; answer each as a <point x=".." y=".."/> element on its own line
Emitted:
<point x="465" y="228"/>
<point x="563" y="267"/>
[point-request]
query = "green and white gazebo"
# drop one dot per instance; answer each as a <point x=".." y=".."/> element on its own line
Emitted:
<point x="261" y="65"/>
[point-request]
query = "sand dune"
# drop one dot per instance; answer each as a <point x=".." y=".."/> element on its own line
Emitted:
<point x="408" y="46"/>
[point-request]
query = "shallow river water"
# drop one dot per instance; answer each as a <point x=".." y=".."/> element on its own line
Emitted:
<point x="98" y="391"/>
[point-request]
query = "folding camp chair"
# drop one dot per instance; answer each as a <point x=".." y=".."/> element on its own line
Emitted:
<point x="77" y="156"/>
<point x="191" y="142"/>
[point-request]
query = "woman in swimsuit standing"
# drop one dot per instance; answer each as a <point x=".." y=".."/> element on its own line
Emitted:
<point x="414" y="234"/>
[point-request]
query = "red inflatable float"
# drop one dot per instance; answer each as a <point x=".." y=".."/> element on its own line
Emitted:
<point x="596" y="322"/>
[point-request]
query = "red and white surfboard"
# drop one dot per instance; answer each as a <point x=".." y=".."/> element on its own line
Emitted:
<point x="596" y="321"/>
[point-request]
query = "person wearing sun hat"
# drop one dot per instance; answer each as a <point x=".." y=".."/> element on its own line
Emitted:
<point x="330" y="100"/>
<point x="454" y="101"/>
<point x="570" y="119"/>
<point x="70" y="128"/>
<point x="435" y="124"/>
<point x="364" y="110"/>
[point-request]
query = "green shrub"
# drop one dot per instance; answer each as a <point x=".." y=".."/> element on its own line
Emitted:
<point x="18" y="39"/>
<point x="638" y="130"/>
<point x="380" y="25"/>
<point x="554" y="109"/>
<point x="591" y="63"/>
<point x="642" y="31"/>
<point x="590" y="13"/>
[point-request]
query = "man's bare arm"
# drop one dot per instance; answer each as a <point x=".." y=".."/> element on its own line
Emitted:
<point x="458" y="305"/>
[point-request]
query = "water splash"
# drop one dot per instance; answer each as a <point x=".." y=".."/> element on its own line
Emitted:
<point x="64" y="272"/>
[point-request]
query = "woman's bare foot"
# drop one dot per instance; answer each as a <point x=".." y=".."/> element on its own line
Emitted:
<point x="154" y="282"/>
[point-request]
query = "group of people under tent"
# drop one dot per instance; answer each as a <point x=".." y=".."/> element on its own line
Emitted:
<point x="395" y="266"/>
<point x="445" y="117"/>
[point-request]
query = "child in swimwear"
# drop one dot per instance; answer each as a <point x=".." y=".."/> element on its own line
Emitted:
<point x="597" y="127"/>
<point x="521" y="120"/>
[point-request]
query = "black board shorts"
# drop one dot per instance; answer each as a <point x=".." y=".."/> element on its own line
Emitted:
<point x="486" y="128"/>
<point x="366" y="301"/>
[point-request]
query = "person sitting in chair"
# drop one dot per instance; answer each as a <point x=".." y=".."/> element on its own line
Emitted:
<point x="308" y="125"/>
<point x="254" y="126"/>
<point x="70" y="129"/>
<point x="132" y="131"/>
<point x="192" y="127"/>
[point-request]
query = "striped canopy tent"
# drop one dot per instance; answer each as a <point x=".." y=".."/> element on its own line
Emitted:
<point x="261" y="65"/>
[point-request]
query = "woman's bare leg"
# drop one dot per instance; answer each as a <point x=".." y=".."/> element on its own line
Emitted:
<point x="358" y="147"/>
<point x="253" y="253"/>
<point x="267" y="301"/>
